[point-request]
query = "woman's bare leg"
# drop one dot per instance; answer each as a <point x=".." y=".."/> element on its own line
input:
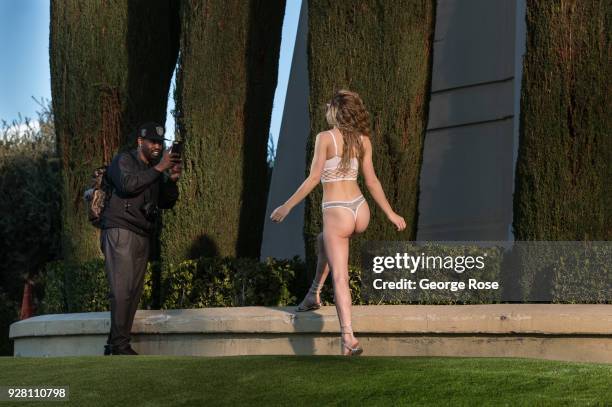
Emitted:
<point x="339" y="225"/>
<point x="322" y="266"/>
<point x="313" y="296"/>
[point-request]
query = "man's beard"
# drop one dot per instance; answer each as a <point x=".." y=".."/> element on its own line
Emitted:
<point x="152" y="157"/>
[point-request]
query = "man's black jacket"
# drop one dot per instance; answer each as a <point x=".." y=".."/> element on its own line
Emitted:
<point x="133" y="183"/>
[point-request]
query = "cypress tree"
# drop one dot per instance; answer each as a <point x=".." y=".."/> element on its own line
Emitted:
<point x="225" y="87"/>
<point x="111" y="65"/>
<point x="563" y="177"/>
<point x="381" y="50"/>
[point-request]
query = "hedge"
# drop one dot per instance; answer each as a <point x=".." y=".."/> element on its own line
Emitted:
<point x="565" y="272"/>
<point x="204" y="282"/>
<point x="225" y="87"/>
<point x="30" y="208"/>
<point x="9" y="313"/>
<point x="563" y="176"/>
<point x="231" y="282"/>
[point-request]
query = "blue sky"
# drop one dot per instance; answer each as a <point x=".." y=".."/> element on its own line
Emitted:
<point x="24" y="57"/>
<point x="24" y="60"/>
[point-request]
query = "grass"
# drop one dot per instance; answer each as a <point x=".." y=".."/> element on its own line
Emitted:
<point x="313" y="381"/>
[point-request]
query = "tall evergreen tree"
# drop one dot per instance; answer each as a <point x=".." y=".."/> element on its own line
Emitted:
<point x="564" y="169"/>
<point x="225" y="87"/>
<point x="381" y="50"/>
<point x="111" y="65"/>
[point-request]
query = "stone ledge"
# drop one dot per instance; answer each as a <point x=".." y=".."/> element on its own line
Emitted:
<point x="545" y="319"/>
<point x="545" y="331"/>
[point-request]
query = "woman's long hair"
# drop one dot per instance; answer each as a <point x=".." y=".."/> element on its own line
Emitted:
<point x="347" y="112"/>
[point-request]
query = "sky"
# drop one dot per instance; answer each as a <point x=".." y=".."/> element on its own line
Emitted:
<point x="24" y="57"/>
<point x="24" y="60"/>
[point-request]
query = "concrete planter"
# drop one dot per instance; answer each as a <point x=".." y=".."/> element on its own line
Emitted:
<point x="546" y="331"/>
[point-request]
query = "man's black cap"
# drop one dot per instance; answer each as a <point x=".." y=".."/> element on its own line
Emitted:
<point x="152" y="131"/>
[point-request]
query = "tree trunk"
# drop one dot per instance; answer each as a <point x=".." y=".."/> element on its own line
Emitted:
<point x="225" y="87"/>
<point x="111" y="65"/>
<point x="563" y="178"/>
<point x="381" y="50"/>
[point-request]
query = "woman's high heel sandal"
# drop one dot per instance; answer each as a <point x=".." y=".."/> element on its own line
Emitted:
<point x="357" y="350"/>
<point x="309" y="306"/>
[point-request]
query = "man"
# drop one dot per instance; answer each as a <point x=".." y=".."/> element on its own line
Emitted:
<point x="143" y="180"/>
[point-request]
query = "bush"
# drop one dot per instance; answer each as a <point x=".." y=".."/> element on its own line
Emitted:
<point x="30" y="207"/>
<point x="206" y="282"/>
<point x="569" y="276"/>
<point x="583" y="276"/>
<point x="9" y="313"/>
<point x="83" y="288"/>
<point x="563" y="272"/>
<point x="229" y="282"/>
<point x="69" y="291"/>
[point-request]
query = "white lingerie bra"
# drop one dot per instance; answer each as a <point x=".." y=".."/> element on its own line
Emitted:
<point x="332" y="172"/>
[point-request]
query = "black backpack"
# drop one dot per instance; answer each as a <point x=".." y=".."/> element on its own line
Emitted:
<point x="97" y="195"/>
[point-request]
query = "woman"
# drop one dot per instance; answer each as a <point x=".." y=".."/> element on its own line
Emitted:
<point x="335" y="163"/>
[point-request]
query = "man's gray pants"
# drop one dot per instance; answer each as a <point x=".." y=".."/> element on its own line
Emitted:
<point x="126" y="254"/>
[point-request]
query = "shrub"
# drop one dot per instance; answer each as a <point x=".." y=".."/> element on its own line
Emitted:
<point x="83" y="288"/>
<point x="29" y="204"/>
<point x="9" y="313"/>
<point x="67" y="290"/>
<point x="30" y="201"/>
<point x="205" y="282"/>
<point x="562" y="272"/>
<point x="584" y="276"/>
<point x="231" y="282"/>
<point x="222" y="282"/>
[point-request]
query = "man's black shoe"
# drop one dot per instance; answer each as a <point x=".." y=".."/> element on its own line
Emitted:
<point x="124" y="351"/>
<point x="108" y="349"/>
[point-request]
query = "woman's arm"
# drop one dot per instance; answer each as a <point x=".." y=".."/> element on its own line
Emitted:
<point x="375" y="187"/>
<point x="316" y="169"/>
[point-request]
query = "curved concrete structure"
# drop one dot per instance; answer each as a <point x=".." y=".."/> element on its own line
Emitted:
<point x="546" y="331"/>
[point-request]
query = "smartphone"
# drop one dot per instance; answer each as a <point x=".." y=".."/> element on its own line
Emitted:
<point x="177" y="148"/>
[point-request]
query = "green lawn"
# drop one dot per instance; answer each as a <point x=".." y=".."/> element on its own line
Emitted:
<point x="313" y="381"/>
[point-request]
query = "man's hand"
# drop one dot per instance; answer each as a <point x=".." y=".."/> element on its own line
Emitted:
<point x="168" y="161"/>
<point x="176" y="171"/>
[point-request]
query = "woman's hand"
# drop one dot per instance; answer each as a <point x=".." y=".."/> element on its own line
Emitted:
<point x="398" y="221"/>
<point x="279" y="213"/>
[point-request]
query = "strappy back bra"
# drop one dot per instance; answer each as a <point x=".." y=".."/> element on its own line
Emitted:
<point x="331" y="170"/>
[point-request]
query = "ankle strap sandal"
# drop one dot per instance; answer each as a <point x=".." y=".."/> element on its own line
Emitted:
<point x="314" y="290"/>
<point x="357" y="350"/>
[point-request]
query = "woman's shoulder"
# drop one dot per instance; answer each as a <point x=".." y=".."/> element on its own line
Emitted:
<point x="324" y="137"/>
<point x="325" y="133"/>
